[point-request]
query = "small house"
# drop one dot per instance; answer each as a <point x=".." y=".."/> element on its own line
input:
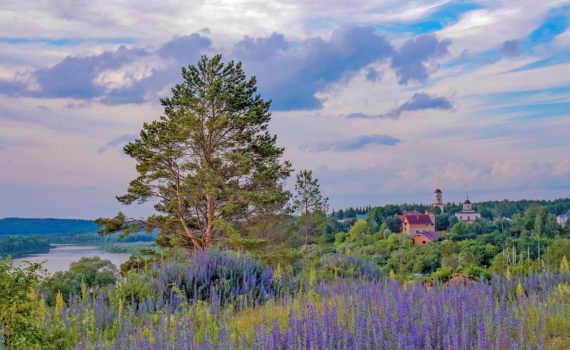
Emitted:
<point x="412" y="224"/>
<point x="423" y="237"/>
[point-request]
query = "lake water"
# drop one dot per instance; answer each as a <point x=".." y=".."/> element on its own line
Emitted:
<point x="60" y="257"/>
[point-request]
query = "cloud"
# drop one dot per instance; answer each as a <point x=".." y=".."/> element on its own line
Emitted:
<point x="126" y="75"/>
<point x="416" y="58"/>
<point x="183" y="48"/>
<point x="73" y="77"/>
<point x="465" y="54"/>
<point x="205" y="31"/>
<point x="117" y="141"/>
<point x="510" y="48"/>
<point x="401" y="181"/>
<point x="251" y="49"/>
<point x="44" y="108"/>
<point x="290" y="73"/>
<point x="291" y="76"/>
<point x="351" y="144"/>
<point x="82" y="105"/>
<point x="419" y="101"/>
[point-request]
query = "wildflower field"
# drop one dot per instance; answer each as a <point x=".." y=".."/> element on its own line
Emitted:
<point x="221" y="300"/>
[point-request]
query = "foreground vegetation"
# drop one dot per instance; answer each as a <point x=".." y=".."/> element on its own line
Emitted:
<point x="226" y="300"/>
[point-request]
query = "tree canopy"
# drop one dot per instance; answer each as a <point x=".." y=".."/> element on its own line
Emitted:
<point x="208" y="162"/>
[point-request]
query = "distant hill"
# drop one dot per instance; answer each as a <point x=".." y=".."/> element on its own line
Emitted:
<point x="18" y="226"/>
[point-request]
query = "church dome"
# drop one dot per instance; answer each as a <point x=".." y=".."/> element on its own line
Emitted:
<point x="437" y="191"/>
<point x="467" y="201"/>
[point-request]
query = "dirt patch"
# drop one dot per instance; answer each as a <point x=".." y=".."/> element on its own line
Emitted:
<point x="461" y="281"/>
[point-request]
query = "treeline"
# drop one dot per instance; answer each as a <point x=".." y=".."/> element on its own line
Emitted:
<point x="16" y="246"/>
<point x="492" y="210"/>
<point x="19" y="245"/>
<point x="504" y="208"/>
<point x="350" y="213"/>
<point x="65" y="231"/>
<point x="19" y="226"/>
<point x="95" y="238"/>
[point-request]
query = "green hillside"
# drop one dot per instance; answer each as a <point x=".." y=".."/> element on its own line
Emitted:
<point x="19" y="226"/>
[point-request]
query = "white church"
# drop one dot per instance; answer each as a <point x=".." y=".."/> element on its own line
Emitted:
<point x="467" y="215"/>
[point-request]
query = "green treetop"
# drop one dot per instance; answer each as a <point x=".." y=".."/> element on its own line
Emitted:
<point x="208" y="162"/>
<point x="309" y="203"/>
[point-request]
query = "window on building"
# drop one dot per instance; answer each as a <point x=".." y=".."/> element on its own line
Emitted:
<point x="424" y="242"/>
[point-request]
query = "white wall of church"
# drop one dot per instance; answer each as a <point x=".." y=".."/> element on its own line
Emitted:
<point x="468" y="217"/>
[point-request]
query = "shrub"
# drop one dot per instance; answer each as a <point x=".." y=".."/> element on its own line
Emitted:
<point x="347" y="266"/>
<point x="477" y="272"/>
<point x="19" y="329"/>
<point x="93" y="272"/>
<point x="213" y="275"/>
<point x="443" y="274"/>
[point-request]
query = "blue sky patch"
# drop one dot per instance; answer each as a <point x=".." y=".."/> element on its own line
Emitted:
<point x="441" y="17"/>
<point x="519" y="97"/>
<point x="558" y="58"/>
<point x="555" y="23"/>
<point x="535" y="111"/>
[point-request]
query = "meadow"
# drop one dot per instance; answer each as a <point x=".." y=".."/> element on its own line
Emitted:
<point x="227" y="300"/>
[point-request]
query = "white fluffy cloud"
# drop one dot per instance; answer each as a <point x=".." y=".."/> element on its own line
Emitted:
<point x="130" y="73"/>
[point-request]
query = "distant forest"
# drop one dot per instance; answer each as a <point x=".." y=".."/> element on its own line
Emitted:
<point x="16" y="246"/>
<point x="33" y="236"/>
<point x="18" y="226"/>
<point x="489" y="209"/>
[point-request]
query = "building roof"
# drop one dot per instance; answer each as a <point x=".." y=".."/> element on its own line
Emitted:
<point x="413" y="212"/>
<point x="437" y="191"/>
<point x="430" y="235"/>
<point x="467" y="212"/>
<point x="418" y="219"/>
<point x="467" y="201"/>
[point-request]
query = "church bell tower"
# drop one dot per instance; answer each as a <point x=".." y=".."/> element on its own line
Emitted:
<point x="438" y="197"/>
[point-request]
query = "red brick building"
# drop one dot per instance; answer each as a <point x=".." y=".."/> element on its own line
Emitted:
<point x="412" y="224"/>
<point x="423" y="237"/>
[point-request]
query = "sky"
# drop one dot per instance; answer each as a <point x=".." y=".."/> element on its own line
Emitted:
<point x="379" y="98"/>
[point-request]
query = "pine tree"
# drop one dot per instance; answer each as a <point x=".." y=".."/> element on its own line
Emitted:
<point x="307" y="202"/>
<point x="209" y="161"/>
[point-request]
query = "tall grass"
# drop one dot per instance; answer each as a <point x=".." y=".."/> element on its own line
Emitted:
<point x="221" y="300"/>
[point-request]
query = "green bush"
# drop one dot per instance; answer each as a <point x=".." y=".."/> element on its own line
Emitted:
<point x="93" y="272"/>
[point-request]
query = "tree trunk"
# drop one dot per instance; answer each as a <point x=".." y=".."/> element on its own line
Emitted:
<point x="196" y="243"/>
<point x="306" y="233"/>
<point x="209" y="219"/>
<point x="306" y="244"/>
